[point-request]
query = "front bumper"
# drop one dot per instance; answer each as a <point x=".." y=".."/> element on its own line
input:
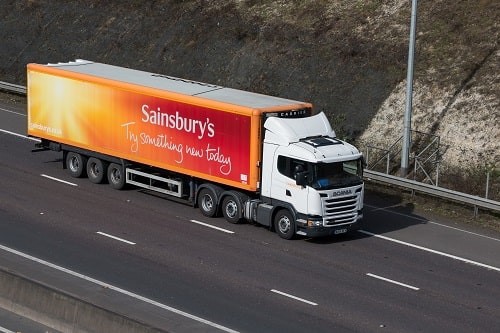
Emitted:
<point x="321" y="231"/>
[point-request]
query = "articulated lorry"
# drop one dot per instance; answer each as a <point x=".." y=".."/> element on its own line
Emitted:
<point x="244" y="155"/>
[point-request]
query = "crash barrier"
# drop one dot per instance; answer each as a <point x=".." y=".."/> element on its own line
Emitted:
<point x="61" y="311"/>
<point x="12" y="88"/>
<point x="472" y="200"/>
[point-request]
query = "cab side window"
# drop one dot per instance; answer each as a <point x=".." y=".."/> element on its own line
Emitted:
<point x="284" y="165"/>
<point x="289" y="166"/>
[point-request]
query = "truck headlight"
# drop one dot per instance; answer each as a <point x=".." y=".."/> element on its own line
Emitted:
<point x="314" y="223"/>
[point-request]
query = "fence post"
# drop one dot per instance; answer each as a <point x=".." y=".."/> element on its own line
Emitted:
<point x="415" y="168"/>
<point x="437" y="174"/>
<point x="388" y="158"/>
<point x="487" y="184"/>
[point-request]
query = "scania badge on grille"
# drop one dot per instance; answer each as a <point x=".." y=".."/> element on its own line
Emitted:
<point x="341" y="192"/>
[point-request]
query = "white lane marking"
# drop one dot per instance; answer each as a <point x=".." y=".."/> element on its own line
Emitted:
<point x="119" y="290"/>
<point x="212" y="226"/>
<point x="19" y="135"/>
<point x="4" y="330"/>
<point x="392" y="281"/>
<point x="386" y="209"/>
<point x="20" y="114"/>
<point x="467" y="232"/>
<point x="432" y="251"/>
<point x="58" y="180"/>
<point x="294" y="297"/>
<point x="115" y="238"/>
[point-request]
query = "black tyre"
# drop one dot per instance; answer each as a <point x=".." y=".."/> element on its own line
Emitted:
<point x="76" y="164"/>
<point x="232" y="208"/>
<point x="284" y="224"/>
<point x="116" y="176"/>
<point x="96" y="170"/>
<point x="207" y="201"/>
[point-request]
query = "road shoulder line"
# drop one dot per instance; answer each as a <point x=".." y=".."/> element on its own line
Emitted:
<point x="468" y="261"/>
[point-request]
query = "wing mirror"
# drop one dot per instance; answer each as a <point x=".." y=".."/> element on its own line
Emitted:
<point x="301" y="178"/>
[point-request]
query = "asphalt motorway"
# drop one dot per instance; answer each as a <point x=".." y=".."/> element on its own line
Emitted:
<point x="401" y="273"/>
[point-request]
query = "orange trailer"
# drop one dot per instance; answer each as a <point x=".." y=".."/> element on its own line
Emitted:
<point x="188" y="127"/>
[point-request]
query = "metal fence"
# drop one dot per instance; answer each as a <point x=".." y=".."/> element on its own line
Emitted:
<point x="475" y="201"/>
<point x="425" y="159"/>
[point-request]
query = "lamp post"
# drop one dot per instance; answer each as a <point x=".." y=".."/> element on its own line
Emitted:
<point x="405" y="154"/>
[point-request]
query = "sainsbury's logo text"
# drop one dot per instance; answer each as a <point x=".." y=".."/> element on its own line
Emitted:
<point x="178" y="122"/>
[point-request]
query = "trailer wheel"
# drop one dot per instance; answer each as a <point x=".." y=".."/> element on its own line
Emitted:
<point x="284" y="224"/>
<point x="116" y="176"/>
<point x="231" y="208"/>
<point x="207" y="202"/>
<point x="96" y="170"/>
<point x="76" y="164"/>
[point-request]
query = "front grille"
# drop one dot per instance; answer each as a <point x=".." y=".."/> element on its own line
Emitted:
<point x="340" y="210"/>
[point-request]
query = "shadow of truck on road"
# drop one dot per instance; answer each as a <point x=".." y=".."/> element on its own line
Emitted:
<point x="383" y="212"/>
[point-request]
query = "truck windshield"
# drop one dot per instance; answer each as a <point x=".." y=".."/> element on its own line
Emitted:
<point x="334" y="175"/>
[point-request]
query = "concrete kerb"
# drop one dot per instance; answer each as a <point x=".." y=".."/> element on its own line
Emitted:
<point x="61" y="311"/>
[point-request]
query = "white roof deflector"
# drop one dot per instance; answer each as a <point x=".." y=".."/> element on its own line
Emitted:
<point x="288" y="130"/>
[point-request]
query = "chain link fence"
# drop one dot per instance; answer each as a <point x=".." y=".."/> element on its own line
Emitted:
<point x="427" y="167"/>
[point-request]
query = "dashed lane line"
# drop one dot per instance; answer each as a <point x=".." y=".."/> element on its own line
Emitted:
<point x="58" y="180"/>
<point x="392" y="281"/>
<point x="115" y="238"/>
<point x="293" y="297"/>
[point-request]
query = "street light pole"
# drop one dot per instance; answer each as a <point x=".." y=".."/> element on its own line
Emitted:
<point x="405" y="154"/>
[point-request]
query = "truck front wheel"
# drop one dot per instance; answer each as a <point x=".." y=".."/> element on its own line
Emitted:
<point x="96" y="170"/>
<point x="284" y="224"/>
<point x="116" y="176"/>
<point x="76" y="164"/>
<point x="207" y="201"/>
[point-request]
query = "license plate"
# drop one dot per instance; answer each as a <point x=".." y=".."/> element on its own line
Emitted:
<point x="340" y="231"/>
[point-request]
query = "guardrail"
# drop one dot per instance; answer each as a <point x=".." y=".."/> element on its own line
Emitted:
<point x="441" y="192"/>
<point x="9" y="87"/>
<point x="413" y="185"/>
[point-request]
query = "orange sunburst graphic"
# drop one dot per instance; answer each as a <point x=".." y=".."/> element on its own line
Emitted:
<point x="150" y="129"/>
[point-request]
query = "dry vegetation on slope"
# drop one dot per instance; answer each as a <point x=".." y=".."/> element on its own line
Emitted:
<point x="456" y="93"/>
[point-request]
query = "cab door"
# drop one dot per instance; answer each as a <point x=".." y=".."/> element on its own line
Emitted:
<point x="284" y="186"/>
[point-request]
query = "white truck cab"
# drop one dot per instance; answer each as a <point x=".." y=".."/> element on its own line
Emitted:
<point x="313" y="177"/>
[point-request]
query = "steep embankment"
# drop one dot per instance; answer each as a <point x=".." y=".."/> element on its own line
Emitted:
<point x="456" y="87"/>
<point x="347" y="57"/>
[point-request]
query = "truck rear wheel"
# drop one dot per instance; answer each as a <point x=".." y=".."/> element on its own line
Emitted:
<point x="76" y="164"/>
<point x="231" y="208"/>
<point x="207" y="201"/>
<point x="96" y="170"/>
<point x="116" y="176"/>
<point x="284" y="224"/>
